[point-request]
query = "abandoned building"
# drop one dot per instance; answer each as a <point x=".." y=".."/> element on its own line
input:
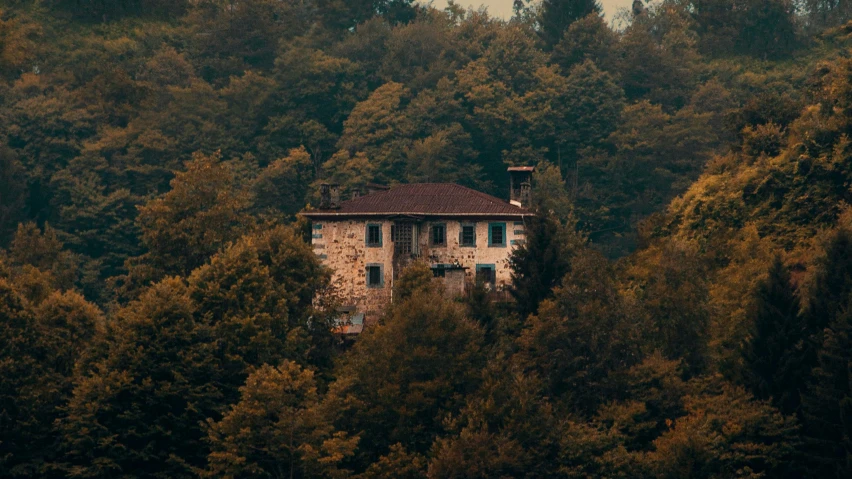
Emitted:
<point x="463" y="234"/>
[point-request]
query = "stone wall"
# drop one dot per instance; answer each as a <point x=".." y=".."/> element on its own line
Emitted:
<point x="342" y="246"/>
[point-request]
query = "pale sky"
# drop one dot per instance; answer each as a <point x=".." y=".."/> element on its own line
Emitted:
<point x="503" y="8"/>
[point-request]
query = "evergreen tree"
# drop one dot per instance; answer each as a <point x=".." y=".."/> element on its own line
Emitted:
<point x="830" y="285"/>
<point x="772" y="370"/>
<point x="540" y="263"/>
<point x="763" y="28"/>
<point x="827" y="405"/>
<point x="581" y="336"/>
<point x="558" y="15"/>
<point x="13" y="199"/>
<point x="30" y="390"/>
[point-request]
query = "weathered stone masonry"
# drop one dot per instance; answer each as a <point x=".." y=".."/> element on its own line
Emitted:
<point x="342" y="246"/>
<point x="464" y="236"/>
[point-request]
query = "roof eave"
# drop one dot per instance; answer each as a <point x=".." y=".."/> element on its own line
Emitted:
<point x="329" y="214"/>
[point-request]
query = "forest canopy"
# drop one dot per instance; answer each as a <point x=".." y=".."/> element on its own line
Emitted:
<point x="681" y="308"/>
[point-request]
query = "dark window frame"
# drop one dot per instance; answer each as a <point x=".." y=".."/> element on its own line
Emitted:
<point x="462" y="242"/>
<point x="371" y="267"/>
<point x="443" y="229"/>
<point x="368" y="240"/>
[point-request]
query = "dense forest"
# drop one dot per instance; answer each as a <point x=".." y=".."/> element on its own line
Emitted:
<point x="682" y="307"/>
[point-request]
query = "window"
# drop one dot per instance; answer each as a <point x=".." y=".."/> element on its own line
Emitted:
<point x="467" y="235"/>
<point x="486" y="273"/>
<point x="375" y="276"/>
<point x="374" y="236"/>
<point x="439" y="235"/>
<point x="402" y="235"/>
<point x="497" y="234"/>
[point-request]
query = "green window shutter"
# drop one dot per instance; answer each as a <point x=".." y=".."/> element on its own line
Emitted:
<point x="381" y="233"/>
<point x="382" y="276"/>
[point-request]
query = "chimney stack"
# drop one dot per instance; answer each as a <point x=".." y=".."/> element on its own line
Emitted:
<point x="520" y="185"/>
<point x="329" y="196"/>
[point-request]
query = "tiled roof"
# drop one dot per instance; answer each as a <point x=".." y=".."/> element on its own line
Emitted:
<point x="434" y="199"/>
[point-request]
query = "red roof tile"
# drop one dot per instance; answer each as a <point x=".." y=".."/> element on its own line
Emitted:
<point x="433" y="199"/>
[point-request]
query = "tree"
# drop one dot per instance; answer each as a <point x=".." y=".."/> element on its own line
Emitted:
<point x="44" y="250"/>
<point x="829" y="285"/>
<point x="397" y="464"/>
<point x="406" y="374"/>
<point x="13" y="199"/>
<point x="30" y="390"/>
<point x="725" y="433"/>
<point x="415" y="278"/>
<point x="141" y="407"/>
<point x="265" y="299"/>
<point x="540" y="263"/>
<point x="506" y="429"/>
<point x="827" y="404"/>
<point x="557" y="15"/>
<point x="69" y="325"/>
<point x="658" y="59"/>
<point x="204" y="210"/>
<point x="580" y="337"/>
<point x="649" y="159"/>
<point x="284" y="185"/>
<point x="764" y="28"/>
<point x="277" y="430"/>
<point x="825" y="13"/>
<point x="669" y="281"/>
<point x="772" y="371"/>
<point x="568" y="114"/>
<point x="589" y="38"/>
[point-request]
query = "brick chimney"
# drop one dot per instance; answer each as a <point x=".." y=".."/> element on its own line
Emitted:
<point x="329" y="196"/>
<point x="520" y="185"/>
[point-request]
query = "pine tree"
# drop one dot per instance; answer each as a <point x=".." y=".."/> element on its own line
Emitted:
<point x="772" y="370"/>
<point x="827" y="405"/>
<point x="831" y="283"/>
<point x="540" y="263"/>
<point x="558" y="15"/>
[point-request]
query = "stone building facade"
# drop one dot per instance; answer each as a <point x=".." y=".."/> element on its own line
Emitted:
<point x="464" y="235"/>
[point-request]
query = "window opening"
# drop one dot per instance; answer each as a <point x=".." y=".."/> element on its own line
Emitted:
<point x="374" y="235"/>
<point x="468" y="235"/>
<point x="439" y="235"/>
